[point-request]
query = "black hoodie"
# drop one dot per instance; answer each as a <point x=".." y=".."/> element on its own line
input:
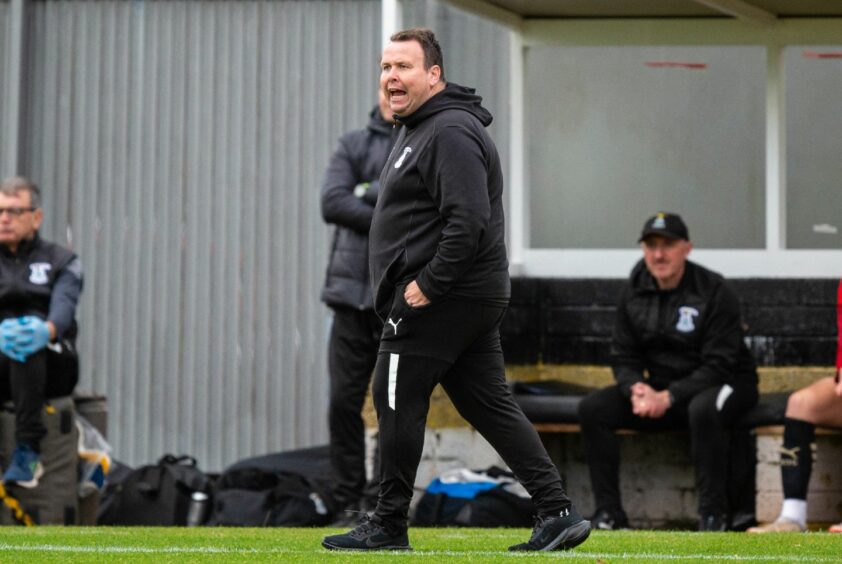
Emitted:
<point x="439" y="218"/>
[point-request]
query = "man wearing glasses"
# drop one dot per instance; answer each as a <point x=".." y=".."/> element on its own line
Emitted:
<point x="40" y="283"/>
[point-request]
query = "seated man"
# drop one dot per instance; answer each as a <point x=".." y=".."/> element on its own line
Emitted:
<point x="820" y="403"/>
<point x="680" y="362"/>
<point x="40" y="283"/>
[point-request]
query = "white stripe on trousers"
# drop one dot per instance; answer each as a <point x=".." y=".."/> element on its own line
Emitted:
<point x="724" y="393"/>
<point x="393" y="378"/>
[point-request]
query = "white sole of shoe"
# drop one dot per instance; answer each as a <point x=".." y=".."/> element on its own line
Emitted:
<point x="39" y="471"/>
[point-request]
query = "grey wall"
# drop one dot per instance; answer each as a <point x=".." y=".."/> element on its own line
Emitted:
<point x="181" y="146"/>
<point x="4" y="80"/>
<point x="5" y="53"/>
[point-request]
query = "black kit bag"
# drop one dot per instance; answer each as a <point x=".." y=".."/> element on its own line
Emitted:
<point x="155" y="495"/>
<point x="475" y="498"/>
<point x="257" y="497"/>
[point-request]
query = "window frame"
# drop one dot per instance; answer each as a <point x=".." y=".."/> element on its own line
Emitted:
<point x="775" y="260"/>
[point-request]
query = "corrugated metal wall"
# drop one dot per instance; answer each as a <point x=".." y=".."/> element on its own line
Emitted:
<point x="4" y="80"/>
<point x="181" y="145"/>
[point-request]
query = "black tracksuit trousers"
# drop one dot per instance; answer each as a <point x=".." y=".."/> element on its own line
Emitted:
<point x="28" y="385"/>
<point x="352" y="353"/>
<point x="456" y="344"/>
<point x="708" y="416"/>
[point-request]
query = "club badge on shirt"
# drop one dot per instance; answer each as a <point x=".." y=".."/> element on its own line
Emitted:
<point x="686" y="315"/>
<point x="38" y="272"/>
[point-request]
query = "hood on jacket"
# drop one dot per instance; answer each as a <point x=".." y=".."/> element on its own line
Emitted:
<point x="453" y="97"/>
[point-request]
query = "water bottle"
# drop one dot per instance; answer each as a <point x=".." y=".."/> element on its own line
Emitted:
<point x="198" y="509"/>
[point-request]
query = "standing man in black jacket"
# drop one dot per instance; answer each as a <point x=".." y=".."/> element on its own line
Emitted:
<point x="40" y="283"/>
<point x="349" y="194"/>
<point x="441" y="283"/>
<point x="680" y="361"/>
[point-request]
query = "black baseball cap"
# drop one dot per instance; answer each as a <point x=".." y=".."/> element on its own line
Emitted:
<point x="665" y="224"/>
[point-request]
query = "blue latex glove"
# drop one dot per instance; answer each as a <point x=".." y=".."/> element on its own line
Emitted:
<point x="33" y="335"/>
<point x="9" y="332"/>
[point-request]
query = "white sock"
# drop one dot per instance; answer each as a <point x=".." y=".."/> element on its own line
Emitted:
<point x="795" y="510"/>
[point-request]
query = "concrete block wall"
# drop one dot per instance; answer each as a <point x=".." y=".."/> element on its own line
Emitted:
<point x="657" y="479"/>
<point x="444" y="449"/>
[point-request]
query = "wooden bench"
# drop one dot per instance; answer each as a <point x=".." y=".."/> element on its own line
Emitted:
<point x="763" y="430"/>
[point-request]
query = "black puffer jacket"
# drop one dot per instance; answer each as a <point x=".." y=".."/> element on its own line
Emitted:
<point x="358" y="159"/>
<point x="688" y="339"/>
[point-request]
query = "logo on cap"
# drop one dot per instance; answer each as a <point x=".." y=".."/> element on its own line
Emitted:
<point x="659" y="222"/>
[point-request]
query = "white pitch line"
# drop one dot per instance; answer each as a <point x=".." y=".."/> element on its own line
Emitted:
<point x="422" y="553"/>
<point x="133" y="549"/>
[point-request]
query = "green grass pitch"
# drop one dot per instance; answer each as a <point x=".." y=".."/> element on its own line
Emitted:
<point x="135" y="544"/>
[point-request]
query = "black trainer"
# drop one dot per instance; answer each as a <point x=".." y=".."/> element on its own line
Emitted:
<point x="711" y="523"/>
<point x="371" y="534"/>
<point x="349" y="516"/>
<point x="557" y="532"/>
<point x="605" y="520"/>
<point x="743" y="521"/>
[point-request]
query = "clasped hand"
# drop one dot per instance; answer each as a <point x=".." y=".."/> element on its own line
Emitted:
<point x="21" y="337"/>
<point x="646" y="402"/>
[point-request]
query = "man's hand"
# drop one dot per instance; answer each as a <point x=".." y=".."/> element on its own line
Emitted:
<point x="413" y="296"/>
<point x="9" y="329"/>
<point x="33" y="335"/>
<point x="646" y="402"/>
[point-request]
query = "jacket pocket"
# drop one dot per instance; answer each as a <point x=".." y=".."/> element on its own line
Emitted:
<point x="401" y="320"/>
<point x="401" y="302"/>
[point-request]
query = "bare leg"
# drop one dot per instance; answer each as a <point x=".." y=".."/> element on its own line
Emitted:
<point x="817" y="404"/>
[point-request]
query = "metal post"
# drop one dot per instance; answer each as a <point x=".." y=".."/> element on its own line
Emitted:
<point x="391" y="19"/>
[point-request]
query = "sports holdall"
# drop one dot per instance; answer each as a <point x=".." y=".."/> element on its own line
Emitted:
<point x="157" y="494"/>
<point x="475" y="498"/>
<point x="280" y="490"/>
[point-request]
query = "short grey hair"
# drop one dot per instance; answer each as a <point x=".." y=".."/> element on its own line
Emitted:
<point x="14" y="185"/>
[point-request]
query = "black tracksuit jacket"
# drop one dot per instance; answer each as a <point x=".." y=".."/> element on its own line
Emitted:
<point x="439" y="218"/>
<point x="42" y="279"/>
<point x="688" y="339"/>
<point x="358" y="158"/>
